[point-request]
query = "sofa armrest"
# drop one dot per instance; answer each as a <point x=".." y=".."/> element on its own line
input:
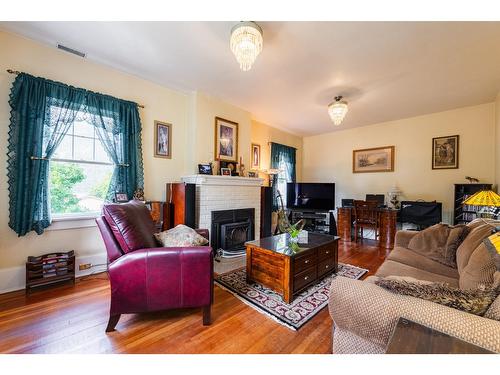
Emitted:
<point x="372" y="312"/>
<point x="160" y="278"/>
<point x="403" y="237"/>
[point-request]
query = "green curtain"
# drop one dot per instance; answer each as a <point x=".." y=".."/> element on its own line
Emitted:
<point x="119" y="128"/>
<point x="282" y="157"/>
<point x="42" y="111"/>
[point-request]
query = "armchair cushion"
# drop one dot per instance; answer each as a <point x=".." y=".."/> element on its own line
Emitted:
<point x="180" y="236"/>
<point x="131" y="224"/>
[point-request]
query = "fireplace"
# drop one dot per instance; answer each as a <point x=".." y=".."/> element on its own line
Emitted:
<point x="230" y="230"/>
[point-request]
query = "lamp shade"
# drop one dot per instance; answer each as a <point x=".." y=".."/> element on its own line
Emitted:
<point x="486" y="198"/>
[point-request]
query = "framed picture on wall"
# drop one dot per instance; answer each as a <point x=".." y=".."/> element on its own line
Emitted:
<point x="163" y="140"/>
<point x="377" y="159"/>
<point x="445" y="152"/>
<point x="255" y="152"/>
<point x="226" y="140"/>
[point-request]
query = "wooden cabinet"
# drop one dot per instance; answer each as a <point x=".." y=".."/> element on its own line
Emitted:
<point x="387" y="225"/>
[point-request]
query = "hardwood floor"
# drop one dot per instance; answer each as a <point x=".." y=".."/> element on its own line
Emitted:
<point x="72" y="319"/>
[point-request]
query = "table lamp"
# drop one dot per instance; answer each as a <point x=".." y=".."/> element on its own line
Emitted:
<point x="393" y="195"/>
<point x="487" y="200"/>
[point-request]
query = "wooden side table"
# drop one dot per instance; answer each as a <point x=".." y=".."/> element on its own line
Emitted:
<point x="409" y="337"/>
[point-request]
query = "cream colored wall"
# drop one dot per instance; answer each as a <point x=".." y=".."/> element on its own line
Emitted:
<point x="191" y="115"/>
<point x="160" y="104"/>
<point x="328" y="157"/>
<point x="206" y="109"/>
<point x="263" y="134"/>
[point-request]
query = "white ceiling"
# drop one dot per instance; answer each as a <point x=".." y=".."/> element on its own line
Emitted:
<point x="385" y="70"/>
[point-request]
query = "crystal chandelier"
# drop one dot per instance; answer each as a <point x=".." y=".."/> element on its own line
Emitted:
<point x="337" y="110"/>
<point x="246" y="43"/>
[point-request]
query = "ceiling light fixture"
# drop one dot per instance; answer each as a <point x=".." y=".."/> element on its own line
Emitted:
<point x="337" y="110"/>
<point x="246" y="43"/>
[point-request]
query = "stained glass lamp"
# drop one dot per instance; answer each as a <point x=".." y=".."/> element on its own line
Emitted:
<point x="487" y="200"/>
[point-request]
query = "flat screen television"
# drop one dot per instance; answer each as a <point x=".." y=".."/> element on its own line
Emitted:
<point x="312" y="196"/>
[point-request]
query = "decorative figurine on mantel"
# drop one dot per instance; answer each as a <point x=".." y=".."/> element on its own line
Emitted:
<point x="139" y="195"/>
<point x="242" y="168"/>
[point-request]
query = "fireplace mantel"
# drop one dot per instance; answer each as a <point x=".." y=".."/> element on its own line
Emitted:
<point x="202" y="179"/>
<point x="216" y="193"/>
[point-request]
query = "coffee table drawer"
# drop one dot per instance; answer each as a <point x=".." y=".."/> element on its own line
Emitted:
<point x="304" y="278"/>
<point x="326" y="266"/>
<point x="326" y="252"/>
<point x="305" y="261"/>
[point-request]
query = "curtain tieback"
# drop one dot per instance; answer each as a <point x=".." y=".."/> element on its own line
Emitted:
<point x="123" y="165"/>
<point x="38" y="158"/>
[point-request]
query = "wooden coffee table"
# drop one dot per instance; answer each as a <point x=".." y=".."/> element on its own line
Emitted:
<point x="288" y="268"/>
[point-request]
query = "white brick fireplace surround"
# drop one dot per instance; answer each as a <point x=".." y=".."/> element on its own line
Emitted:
<point x="216" y="193"/>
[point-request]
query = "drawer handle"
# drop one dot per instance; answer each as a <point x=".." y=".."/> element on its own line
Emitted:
<point x="307" y="261"/>
<point x="327" y="266"/>
<point x="327" y="252"/>
<point x="307" y="277"/>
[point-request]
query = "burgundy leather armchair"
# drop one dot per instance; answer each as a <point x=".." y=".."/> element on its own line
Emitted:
<point x="145" y="277"/>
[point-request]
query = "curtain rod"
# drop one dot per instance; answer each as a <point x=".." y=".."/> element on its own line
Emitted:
<point x="269" y="144"/>
<point x="16" y="72"/>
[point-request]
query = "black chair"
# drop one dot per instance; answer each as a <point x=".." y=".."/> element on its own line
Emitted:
<point x="379" y="198"/>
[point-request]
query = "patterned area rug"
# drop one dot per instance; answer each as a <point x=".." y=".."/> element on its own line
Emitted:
<point x="304" y="306"/>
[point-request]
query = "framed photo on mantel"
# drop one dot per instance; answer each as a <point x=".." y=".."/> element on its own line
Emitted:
<point x="226" y="140"/>
<point x="378" y="159"/>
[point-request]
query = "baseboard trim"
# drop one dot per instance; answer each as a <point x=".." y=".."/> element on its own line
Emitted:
<point x="14" y="278"/>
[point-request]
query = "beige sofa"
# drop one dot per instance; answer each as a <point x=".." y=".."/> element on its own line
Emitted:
<point x="365" y="314"/>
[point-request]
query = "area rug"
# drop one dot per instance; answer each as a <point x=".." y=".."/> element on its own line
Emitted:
<point x="294" y="315"/>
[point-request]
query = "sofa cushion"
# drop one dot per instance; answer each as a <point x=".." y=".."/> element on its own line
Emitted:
<point x="475" y="301"/>
<point x="439" y="242"/>
<point x="180" y="236"/>
<point x="392" y="268"/>
<point x="411" y="258"/>
<point x="480" y="269"/>
<point x="131" y="224"/>
<point x="494" y="310"/>
<point x="480" y="230"/>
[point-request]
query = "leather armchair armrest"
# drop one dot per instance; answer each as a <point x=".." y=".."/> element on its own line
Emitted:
<point x="160" y="278"/>
<point x="372" y="312"/>
<point x="403" y="237"/>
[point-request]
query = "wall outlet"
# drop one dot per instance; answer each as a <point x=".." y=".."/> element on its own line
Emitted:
<point x="84" y="266"/>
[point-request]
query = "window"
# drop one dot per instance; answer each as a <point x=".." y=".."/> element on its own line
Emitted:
<point x="282" y="181"/>
<point x="80" y="172"/>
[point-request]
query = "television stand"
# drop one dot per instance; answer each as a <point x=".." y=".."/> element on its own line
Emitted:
<point x="316" y="221"/>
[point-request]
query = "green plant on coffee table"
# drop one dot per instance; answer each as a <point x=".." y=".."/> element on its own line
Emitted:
<point x="295" y="229"/>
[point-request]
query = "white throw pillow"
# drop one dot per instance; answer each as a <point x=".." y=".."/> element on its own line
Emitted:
<point x="180" y="236"/>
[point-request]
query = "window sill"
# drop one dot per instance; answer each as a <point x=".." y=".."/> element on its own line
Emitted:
<point x="73" y="221"/>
